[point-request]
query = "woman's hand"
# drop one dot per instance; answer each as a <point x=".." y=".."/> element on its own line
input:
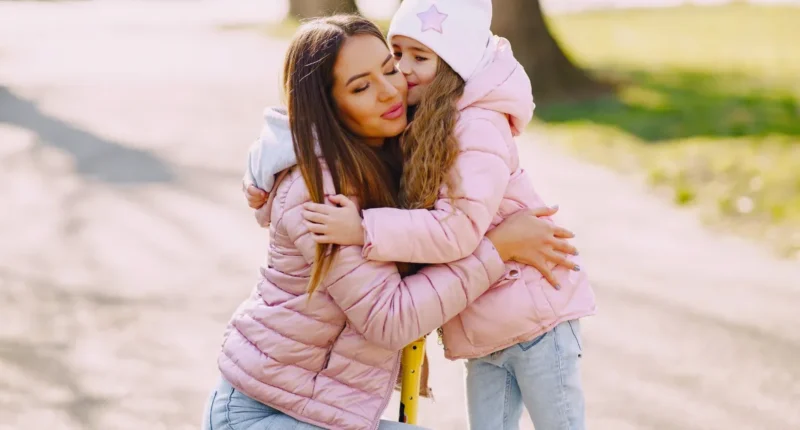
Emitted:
<point x="256" y="197"/>
<point x="526" y="239"/>
<point x="340" y="224"/>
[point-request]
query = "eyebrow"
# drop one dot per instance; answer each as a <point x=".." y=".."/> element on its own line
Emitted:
<point x="414" y="48"/>
<point x="361" y="75"/>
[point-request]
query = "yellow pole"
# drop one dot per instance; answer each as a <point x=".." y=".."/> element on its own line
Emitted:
<point x="413" y="355"/>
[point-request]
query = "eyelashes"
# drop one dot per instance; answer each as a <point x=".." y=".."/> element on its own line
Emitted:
<point x="395" y="70"/>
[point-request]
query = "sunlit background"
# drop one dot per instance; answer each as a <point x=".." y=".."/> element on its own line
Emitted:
<point x="667" y="131"/>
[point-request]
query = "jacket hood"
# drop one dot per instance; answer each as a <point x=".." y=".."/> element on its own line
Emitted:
<point x="501" y="85"/>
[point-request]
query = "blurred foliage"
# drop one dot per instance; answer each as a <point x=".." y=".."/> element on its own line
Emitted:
<point x="286" y="28"/>
<point x="707" y="107"/>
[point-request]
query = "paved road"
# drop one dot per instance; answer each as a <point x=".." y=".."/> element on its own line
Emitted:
<point x="125" y="243"/>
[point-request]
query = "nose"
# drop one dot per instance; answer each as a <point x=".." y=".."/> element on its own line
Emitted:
<point x="388" y="91"/>
<point x="404" y="65"/>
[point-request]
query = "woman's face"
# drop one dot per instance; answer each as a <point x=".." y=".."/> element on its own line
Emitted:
<point x="418" y="64"/>
<point x="369" y="91"/>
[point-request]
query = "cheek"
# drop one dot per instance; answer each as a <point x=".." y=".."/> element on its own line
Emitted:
<point x="427" y="72"/>
<point x="398" y="80"/>
<point x="358" y="114"/>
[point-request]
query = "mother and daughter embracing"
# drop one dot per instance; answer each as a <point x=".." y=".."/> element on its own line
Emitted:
<point x="396" y="205"/>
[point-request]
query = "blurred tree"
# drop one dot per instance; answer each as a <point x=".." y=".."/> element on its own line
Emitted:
<point x="553" y="75"/>
<point x="302" y="9"/>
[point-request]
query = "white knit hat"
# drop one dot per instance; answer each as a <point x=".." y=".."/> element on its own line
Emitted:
<point x="456" y="30"/>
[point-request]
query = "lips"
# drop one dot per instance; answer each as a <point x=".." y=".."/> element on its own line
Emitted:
<point x="411" y="85"/>
<point x="394" y="112"/>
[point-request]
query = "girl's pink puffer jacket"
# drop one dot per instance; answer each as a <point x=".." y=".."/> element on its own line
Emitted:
<point x="497" y="104"/>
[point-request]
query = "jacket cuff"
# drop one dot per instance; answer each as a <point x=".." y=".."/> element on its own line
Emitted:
<point x="367" y="248"/>
<point x="488" y="255"/>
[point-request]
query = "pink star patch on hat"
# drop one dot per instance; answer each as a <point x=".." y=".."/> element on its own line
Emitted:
<point x="432" y="19"/>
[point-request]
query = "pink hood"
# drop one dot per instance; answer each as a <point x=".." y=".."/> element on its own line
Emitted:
<point x="501" y="85"/>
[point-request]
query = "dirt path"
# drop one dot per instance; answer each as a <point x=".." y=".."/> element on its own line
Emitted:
<point x="126" y="244"/>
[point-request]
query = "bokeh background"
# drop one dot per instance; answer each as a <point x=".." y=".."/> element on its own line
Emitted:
<point x="668" y="131"/>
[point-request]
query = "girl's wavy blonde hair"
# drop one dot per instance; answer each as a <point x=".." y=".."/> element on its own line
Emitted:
<point x="429" y="144"/>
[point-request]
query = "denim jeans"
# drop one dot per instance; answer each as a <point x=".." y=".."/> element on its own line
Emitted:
<point x="543" y="374"/>
<point x="229" y="409"/>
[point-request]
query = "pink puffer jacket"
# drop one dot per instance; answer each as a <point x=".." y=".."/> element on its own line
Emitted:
<point x="496" y="106"/>
<point x="333" y="361"/>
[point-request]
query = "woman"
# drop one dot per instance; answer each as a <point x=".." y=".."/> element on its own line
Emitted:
<point x="317" y="344"/>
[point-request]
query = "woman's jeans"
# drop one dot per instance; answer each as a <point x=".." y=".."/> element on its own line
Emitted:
<point x="229" y="409"/>
<point x="543" y="374"/>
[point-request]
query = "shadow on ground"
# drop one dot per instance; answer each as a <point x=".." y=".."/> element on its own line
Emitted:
<point x="48" y="358"/>
<point x="95" y="157"/>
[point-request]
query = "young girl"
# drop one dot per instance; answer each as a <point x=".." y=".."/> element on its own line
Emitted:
<point x="461" y="178"/>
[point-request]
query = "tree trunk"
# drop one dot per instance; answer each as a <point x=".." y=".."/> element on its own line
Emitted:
<point x="303" y="9"/>
<point x="554" y="76"/>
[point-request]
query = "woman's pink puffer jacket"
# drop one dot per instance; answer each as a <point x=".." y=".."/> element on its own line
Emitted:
<point x="332" y="361"/>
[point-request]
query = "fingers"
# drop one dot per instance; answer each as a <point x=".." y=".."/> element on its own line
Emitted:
<point x="341" y="200"/>
<point x="316" y="207"/>
<point x="315" y="217"/>
<point x="563" y="246"/>
<point x="561" y="260"/>
<point x="322" y="238"/>
<point x="316" y="228"/>
<point x="256" y="197"/>
<point x="252" y="190"/>
<point x="541" y="266"/>
<point x="550" y="278"/>
<point x="543" y="211"/>
<point x="563" y="233"/>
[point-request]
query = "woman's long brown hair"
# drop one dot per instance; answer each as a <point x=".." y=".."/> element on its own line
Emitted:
<point x="356" y="168"/>
<point x="429" y="145"/>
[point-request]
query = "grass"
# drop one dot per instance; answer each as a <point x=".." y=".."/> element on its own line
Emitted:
<point x="708" y="109"/>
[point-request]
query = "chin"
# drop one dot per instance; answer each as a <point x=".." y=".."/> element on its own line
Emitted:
<point x="413" y="97"/>
<point x="395" y="127"/>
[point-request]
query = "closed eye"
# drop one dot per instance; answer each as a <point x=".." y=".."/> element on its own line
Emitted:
<point x="395" y="68"/>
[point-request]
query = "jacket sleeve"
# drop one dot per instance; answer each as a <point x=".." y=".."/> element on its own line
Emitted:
<point x="389" y="310"/>
<point x="266" y="159"/>
<point x="452" y="229"/>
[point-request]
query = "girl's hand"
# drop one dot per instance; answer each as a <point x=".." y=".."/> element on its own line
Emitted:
<point x="256" y="197"/>
<point x="526" y="239"/>
<point x="340" y="224"/>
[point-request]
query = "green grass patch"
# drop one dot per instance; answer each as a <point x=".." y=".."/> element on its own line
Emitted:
<point x="708" y="108"/>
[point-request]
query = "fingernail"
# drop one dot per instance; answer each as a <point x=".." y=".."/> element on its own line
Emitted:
<point x="554" y="207"/>
<point x="577" y="268"/>
<point x="576" y="252"/>
<point x="558" y="287"/>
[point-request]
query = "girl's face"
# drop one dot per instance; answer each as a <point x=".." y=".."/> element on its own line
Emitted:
<point x="369" y="91"/>
<point x="418" y="64"/>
